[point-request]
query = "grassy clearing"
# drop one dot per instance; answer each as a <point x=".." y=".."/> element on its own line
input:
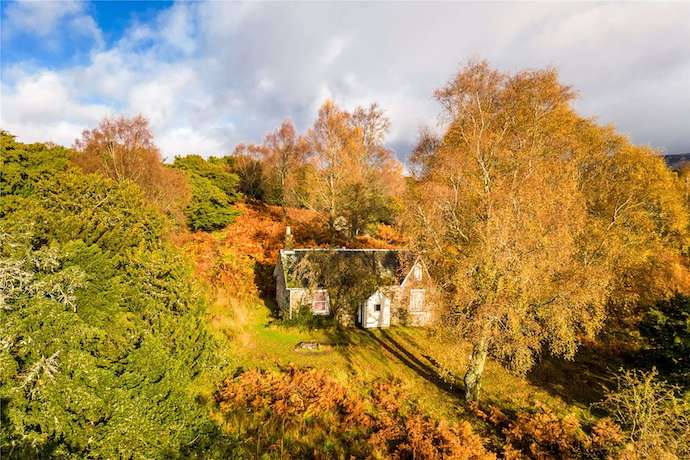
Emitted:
<point x="427" y="368"/>
<point x="236" y="265"/>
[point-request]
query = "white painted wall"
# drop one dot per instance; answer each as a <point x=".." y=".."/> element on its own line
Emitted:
<point x="371" y="317"/>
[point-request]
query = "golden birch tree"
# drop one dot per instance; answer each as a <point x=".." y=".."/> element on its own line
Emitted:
<point x="535" y="220"/>
<point x="354" y="179"/>
<point x="500" y="213"/>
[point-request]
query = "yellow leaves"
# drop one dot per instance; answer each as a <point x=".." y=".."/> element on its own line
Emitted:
<point x="641" y="204"/>
<point x="534" y="218"/>
<point x="355" y="178"/>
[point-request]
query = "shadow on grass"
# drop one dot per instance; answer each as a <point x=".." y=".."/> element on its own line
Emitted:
<point x="585" y="379"/>
<point x="580" y="381"/>
<point x="263" y="279"/>
<point x="423" y="369"/>
<point x="407" y="337"/>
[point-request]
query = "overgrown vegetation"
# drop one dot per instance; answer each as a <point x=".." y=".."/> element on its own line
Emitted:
<point x="136" y="298"/>
<point x="103" y="336"/>
<point x="541" y="433"/>
<point x="654" y="417"/>
<point x="666" y="328"/>
<point x="306" y="414"/>
<point x="350" y="278"/>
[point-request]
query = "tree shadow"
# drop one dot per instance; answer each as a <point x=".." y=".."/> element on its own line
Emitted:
<point x="343" y="342"/>
<point x="406" y="357"/>
<point x="412" y="341"/>
<point x="586" y="379"/>
<point x="583" y="380"/>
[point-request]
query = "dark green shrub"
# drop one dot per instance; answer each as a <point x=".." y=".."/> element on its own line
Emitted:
<point x="210" y="208"/>
<point x="666" y="327"/>
<point x="215" y="170"/>
<point x="103" y="337"/>
<point x="214" y="191"/>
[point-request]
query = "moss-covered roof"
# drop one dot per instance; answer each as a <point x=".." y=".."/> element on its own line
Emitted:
<point x="385" y="266"/>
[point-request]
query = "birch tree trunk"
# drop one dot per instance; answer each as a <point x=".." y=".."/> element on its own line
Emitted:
<point x="475" y="369"/>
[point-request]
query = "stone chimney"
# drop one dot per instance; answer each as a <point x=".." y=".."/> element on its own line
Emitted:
<point x="289" y="241"/>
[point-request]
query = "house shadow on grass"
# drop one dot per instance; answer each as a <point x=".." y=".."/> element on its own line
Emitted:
<point x="265" y="284"/>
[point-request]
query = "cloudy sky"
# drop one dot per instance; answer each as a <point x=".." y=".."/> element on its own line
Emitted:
<point x="211" y="75"/>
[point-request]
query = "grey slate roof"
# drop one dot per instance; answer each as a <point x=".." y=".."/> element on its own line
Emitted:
<point x="386" y="264"/>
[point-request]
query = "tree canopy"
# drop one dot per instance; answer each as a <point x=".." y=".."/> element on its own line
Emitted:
<point x="122" y="148"/>
<point x="214" y="191"/>
<point x="355" y="179"/>
<point x="534" y="219"/>
<point x="102" y="331"/>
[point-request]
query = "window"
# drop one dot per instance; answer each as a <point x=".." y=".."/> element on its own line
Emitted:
<point x="377" y="307"/>
<point x="319" y="303"/>
<point x="416" y="300"/>
<point x="418" y="272"/>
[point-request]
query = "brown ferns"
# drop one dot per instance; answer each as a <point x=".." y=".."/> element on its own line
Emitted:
<point x="307" y="414"/>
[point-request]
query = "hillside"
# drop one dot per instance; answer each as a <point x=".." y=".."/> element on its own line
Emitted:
<point x="545" y="259"/>
<point x="236" y="265"/>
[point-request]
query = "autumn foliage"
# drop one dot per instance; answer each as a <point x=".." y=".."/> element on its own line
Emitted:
<point x="241" y="260"/>
<point x="540" y="433"/>
<point x="536" y="221"/>
<point x="537" y="225"/>
<point x="306" y="414"/>
<point x="123" y="149"/>
<point x="655" y="418"/>
<point x="283" y="164"/>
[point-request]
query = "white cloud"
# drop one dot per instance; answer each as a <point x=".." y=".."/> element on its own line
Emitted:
<point x="47" y="19"/>
<point x="40" y="18"/>
<point x="186" y="140"/>
<point x="334" y="49"/>
<point x="44" y="107"/>
<point x="210" y="75"/>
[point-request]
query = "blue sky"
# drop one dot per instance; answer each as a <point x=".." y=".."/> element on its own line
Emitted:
<point x="209" y="75"/>
<point x="22" y="44"/>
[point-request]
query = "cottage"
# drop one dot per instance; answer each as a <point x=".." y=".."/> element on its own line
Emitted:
<point x="373" y="288"/>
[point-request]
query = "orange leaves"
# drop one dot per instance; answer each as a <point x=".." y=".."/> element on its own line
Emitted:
<point x="259" y="232"/>
<point x="542" y="434"/>
<point x="123" y="148"/>
<point x="241" y="258"/>
<point x="606" y="435"/>
<point x="283" y="156"/>
<point x="405" y="433"/>
<point x="545" y="434"/>
<point x="305" y="413"/>
<point x="302" y="411"/>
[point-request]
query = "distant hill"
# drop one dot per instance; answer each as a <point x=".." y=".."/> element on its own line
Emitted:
<point x="675" y="161"/>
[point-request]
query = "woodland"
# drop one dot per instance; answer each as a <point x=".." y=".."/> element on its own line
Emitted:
<point x="137" y="312"/>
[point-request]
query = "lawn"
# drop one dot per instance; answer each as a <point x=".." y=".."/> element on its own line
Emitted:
<point x="429" y="369"/>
